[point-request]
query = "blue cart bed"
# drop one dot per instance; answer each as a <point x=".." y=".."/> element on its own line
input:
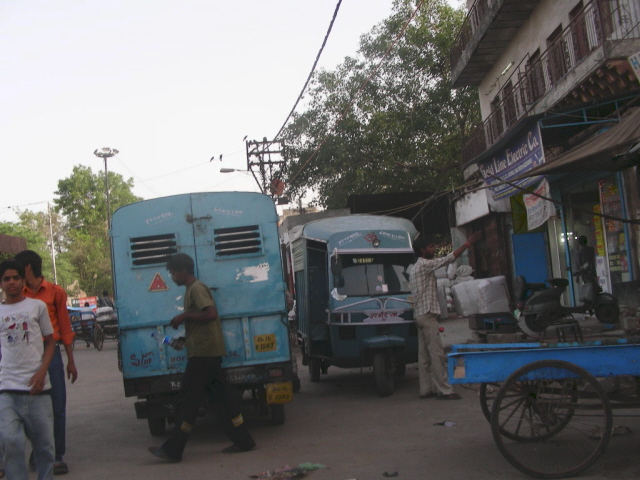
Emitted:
<point x="549" y="413"/>
<point x="485" y="363"/>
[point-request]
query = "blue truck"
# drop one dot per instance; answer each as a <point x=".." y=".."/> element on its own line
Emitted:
<point x="233" y="239"/>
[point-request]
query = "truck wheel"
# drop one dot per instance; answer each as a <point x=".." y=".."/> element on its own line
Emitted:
<point x="277" y="413"/>
<point x="314" y="369"/>
<point x="383" y="373"/>
<point x="156" y="425"/>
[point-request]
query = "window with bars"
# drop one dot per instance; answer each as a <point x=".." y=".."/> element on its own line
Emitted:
<point x="237" y="241"/>
<point x="153" y="249"/>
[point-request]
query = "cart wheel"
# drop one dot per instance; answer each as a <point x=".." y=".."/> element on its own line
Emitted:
<point x="551" y="419"/>
<point x="488" y="392"/>
<point x="98" y="338"/>
<point x="314" y="369"/>
<point x="383" y="373"/>
<point x="277" y="413"/>
<point x="156" y="425"/>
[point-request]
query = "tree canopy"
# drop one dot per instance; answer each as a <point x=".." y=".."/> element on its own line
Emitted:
<point x="82" y="200"/>
<point x="402" y="131"/>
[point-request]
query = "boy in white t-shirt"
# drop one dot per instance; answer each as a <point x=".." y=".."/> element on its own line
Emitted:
<point x="25" y="403"/>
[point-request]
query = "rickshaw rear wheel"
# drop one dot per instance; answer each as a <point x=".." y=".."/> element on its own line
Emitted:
<point x="156" y="426"/>
<point x="383" y="373"/>
<point x="98" y="337"/>
<point x="277" y="413"/>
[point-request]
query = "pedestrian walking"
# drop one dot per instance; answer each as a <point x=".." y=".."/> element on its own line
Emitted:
<point x="203" y="373"/>
<point x="55" y="298"/>
<point x="25" y="400"/>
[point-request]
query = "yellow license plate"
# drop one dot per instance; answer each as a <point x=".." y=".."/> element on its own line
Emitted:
<point x="279" y="392"/>
<point x="265" y="343"/>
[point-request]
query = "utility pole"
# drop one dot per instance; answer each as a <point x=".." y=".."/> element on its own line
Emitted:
<point x="263" y="159"/>
<point x="53" y="248"/>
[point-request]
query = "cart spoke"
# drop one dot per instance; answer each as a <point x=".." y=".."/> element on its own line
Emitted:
<point x="559" y="426"/>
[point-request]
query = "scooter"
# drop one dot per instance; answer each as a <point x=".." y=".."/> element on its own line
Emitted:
<point x="543" y="308"/>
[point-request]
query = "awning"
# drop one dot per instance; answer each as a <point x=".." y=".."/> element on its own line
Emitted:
<point x="606" y="152"/>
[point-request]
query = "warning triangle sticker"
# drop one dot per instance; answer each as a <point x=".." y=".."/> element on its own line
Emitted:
<point x="158" y="284"/>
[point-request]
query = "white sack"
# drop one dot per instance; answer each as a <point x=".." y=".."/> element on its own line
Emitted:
<point x="493" y="295"/>
<point x="466" y="297"/>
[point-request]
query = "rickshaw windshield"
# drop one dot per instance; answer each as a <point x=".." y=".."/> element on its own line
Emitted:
<point x="366" y="274"/>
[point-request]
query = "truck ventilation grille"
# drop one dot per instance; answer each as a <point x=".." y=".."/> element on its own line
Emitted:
<point x="237" y="240"/>
<point x="153" y="250"/>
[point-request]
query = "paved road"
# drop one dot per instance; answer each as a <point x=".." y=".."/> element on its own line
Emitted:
<point x="339" y="422"/>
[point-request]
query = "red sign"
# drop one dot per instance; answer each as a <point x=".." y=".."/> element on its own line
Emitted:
<point x="158" y="284"/>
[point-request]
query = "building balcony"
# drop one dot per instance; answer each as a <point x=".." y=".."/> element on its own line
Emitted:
<point x="587" y="62"/>
<point x="489" y="27"/>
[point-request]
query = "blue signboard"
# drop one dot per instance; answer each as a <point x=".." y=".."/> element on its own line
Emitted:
<point x="522" y="155"/>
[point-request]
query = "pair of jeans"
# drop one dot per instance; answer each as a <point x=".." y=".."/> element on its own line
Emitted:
<point x="25" y="416"/>
<point x="59" y="402"/>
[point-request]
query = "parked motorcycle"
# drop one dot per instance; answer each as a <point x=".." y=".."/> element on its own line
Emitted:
<point x="542" y="308"/>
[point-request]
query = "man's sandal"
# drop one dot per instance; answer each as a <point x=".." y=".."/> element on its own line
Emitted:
<point x="60" y="468"/>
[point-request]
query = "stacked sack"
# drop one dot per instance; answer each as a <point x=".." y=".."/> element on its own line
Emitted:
<point x="460" y="292"/>
<point x="447" y="277"/>
<point x="486" y="295"/>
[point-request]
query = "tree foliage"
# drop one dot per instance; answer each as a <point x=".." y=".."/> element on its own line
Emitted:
<point x="402" y="131"/>
<point x="83" y="201"/>
<point x="36" y="241"/>
<point x="51" y="227"/>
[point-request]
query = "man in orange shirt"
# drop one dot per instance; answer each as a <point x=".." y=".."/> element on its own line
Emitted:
<point x="55" y="298"/>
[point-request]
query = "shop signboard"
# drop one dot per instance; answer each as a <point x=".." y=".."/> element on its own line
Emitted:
<point x="634" y="61"/>
<point x="520" y="156"/>
<point x="539" y="209"/>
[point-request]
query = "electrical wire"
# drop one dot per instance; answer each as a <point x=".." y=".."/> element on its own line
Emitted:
<point x="315" y="64"/>
<point x="355" y="95"/>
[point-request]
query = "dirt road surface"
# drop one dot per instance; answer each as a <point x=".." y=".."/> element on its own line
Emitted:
<point x="339" y="422"/>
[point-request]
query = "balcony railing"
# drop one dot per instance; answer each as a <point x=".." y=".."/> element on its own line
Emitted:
<point x="599" y="21"/>
<point x="476" y="13"/>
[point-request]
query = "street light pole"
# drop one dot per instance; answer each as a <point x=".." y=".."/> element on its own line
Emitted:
<point x="106" y="153"/>
<point x="53" y="248"/>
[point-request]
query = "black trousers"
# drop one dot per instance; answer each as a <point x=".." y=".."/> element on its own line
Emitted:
<point x="204" y="375"/>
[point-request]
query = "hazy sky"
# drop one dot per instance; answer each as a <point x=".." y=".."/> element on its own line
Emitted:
<point x="168" y="83"/>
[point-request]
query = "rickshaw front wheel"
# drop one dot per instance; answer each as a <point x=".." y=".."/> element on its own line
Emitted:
<point x="383" y="373"/>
